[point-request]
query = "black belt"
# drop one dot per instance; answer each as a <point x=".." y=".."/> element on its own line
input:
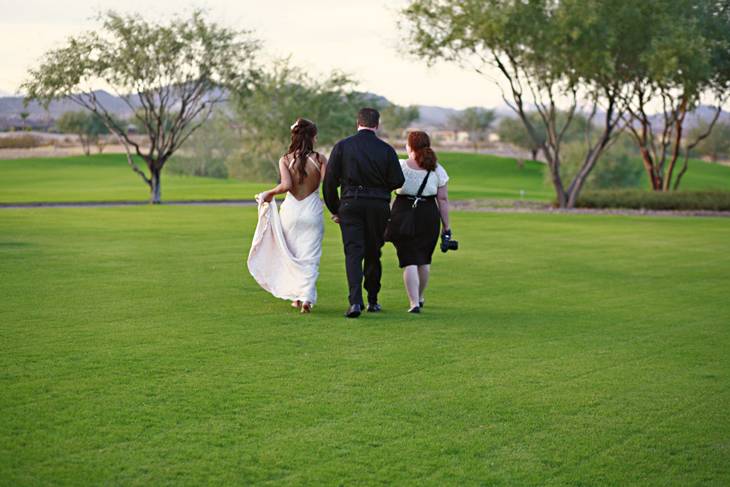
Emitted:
<point x="355" y="192"/>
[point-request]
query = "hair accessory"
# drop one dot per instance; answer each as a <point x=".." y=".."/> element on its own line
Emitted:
<point x="294" y="125"/>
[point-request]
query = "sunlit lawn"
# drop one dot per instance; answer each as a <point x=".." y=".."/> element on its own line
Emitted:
<point x="553" y="350"/>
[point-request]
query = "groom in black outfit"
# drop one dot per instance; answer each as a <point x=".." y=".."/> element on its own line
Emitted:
<point x="367" y="171"/>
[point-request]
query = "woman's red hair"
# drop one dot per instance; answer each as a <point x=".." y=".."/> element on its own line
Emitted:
<point x="420" y="143"/>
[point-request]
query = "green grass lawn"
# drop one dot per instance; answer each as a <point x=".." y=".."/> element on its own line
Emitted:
<point x="479" y="176"/>
<point x="553" y="350"/>
<point x="107" y="177"/>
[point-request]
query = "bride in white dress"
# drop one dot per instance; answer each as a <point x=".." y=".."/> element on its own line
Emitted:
<point x="287" y="244"/>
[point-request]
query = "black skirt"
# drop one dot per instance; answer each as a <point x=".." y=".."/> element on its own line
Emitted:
<point x="418" y="250"/>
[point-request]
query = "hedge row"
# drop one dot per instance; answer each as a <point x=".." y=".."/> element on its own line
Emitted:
<point x="21" y="141"/>
<point x="654" y="200"/>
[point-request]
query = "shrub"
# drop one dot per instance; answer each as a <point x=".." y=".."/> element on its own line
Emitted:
<point x="655" y="200"/>
<point x="24" y="141"/>
<point x="212" y="168"/>
<point x="205" y="152"/>
<point x="618" y="167"/>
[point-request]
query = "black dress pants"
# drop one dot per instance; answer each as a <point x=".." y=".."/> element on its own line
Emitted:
<point x="363" y="222"/>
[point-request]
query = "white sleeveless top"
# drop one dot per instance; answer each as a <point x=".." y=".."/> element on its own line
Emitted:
<point x="414" y="178"/>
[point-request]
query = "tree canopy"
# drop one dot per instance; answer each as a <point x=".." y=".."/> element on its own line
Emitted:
<point x="282" y="94"/>
<point x="475" y="121"/>
<point x="171" y="76"/>
<point x="589" y="56"/>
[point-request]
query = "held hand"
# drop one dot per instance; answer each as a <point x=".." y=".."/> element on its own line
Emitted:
<point x="336" y="219"/>
<point x="267" y="196"/>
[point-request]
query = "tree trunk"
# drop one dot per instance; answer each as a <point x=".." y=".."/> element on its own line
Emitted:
<point x="656" y="184"/>
<point x="580" y="179"/>
<point x="534" y="154"/>
<point x="678" y="126"/>
<point x="85" y="145"/>
<point x="560" y="194"/>
<point x="155" y="190"/>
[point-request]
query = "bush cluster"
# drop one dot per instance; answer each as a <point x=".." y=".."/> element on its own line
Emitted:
<point x="21" y="141"/>
<point x="655" y="200"/>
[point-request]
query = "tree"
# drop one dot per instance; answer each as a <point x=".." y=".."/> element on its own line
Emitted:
<point x="618" y="168"/>
<point x="87" y="126"/>
<point x="685" y="55"/>
<point x="475" y="121"/>
<point x="76" y="123"/>
<point x="512" y="131"/>
<point x="24" y="119"/>
<point x="716" y="144"/>
<point x="171" y="76"/>
<point x="98" y="130"/>
<point x="546" y="51"/>
<point x="395" y="118"/>
<point x="282" y="95"/>
<point x="209" y="148"/>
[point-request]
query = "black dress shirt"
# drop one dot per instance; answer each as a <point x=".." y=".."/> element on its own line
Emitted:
<point x="364" y="167"/>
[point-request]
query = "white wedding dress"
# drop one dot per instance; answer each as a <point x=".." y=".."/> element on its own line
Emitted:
<point x="287" y="246"/>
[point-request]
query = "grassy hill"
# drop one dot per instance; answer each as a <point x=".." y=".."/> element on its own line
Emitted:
<point x="553" y="350"/>
<point x="107" y="177"/>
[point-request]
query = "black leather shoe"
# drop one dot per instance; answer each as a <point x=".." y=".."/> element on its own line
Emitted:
<point x="353" y="311"/>
<point x="420" y="304"/>
<point x="414" y="309"/>
<point x="374" y="308"/>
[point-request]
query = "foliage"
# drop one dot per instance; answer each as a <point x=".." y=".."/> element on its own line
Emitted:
<point x="618" y="168"/>
<point x="544" y="50"/>
<point x="652" y="200"/>
<point x="512" y="131"/>
<point x="683" y="55"/>
<point x="280" y="96"/>
<point x="21" y="141"/>
<point x="395" y="119"/>
<point x="89" y="127"/>
<point x="206" y="152"/>
<point x="476" y="121"/>
<point x="716" y="145"/>
<point x="24" y="118"/>
<point x="171" y="76"/>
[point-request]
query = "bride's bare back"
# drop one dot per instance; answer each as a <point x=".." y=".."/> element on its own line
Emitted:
<point x="313" y="174"/>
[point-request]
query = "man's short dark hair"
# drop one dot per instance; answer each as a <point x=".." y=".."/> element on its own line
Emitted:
<point x="368" y="117"/>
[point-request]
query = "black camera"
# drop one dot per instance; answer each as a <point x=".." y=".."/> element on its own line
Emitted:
<point x="446" y="242"/>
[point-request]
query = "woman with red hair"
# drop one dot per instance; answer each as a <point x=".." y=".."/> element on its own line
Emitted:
<point x="424" y="194"/>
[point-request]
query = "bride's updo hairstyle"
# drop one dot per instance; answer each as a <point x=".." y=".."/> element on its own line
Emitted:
<point x="302" y="144"/>
<point x="420" y="144"/>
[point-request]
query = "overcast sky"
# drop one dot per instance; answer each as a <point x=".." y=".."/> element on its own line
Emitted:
<point x="359" y="37"/>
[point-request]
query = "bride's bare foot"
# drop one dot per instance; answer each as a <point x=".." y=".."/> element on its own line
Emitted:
<point x="296" y="304"/>
<point x="307" y="307"/>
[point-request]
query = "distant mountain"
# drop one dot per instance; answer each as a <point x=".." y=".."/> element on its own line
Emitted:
<point x="435" y="117"/>
<point x="430" y="117"/>
<point x="11" y="106"/>
<point x="705" y="113"/>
